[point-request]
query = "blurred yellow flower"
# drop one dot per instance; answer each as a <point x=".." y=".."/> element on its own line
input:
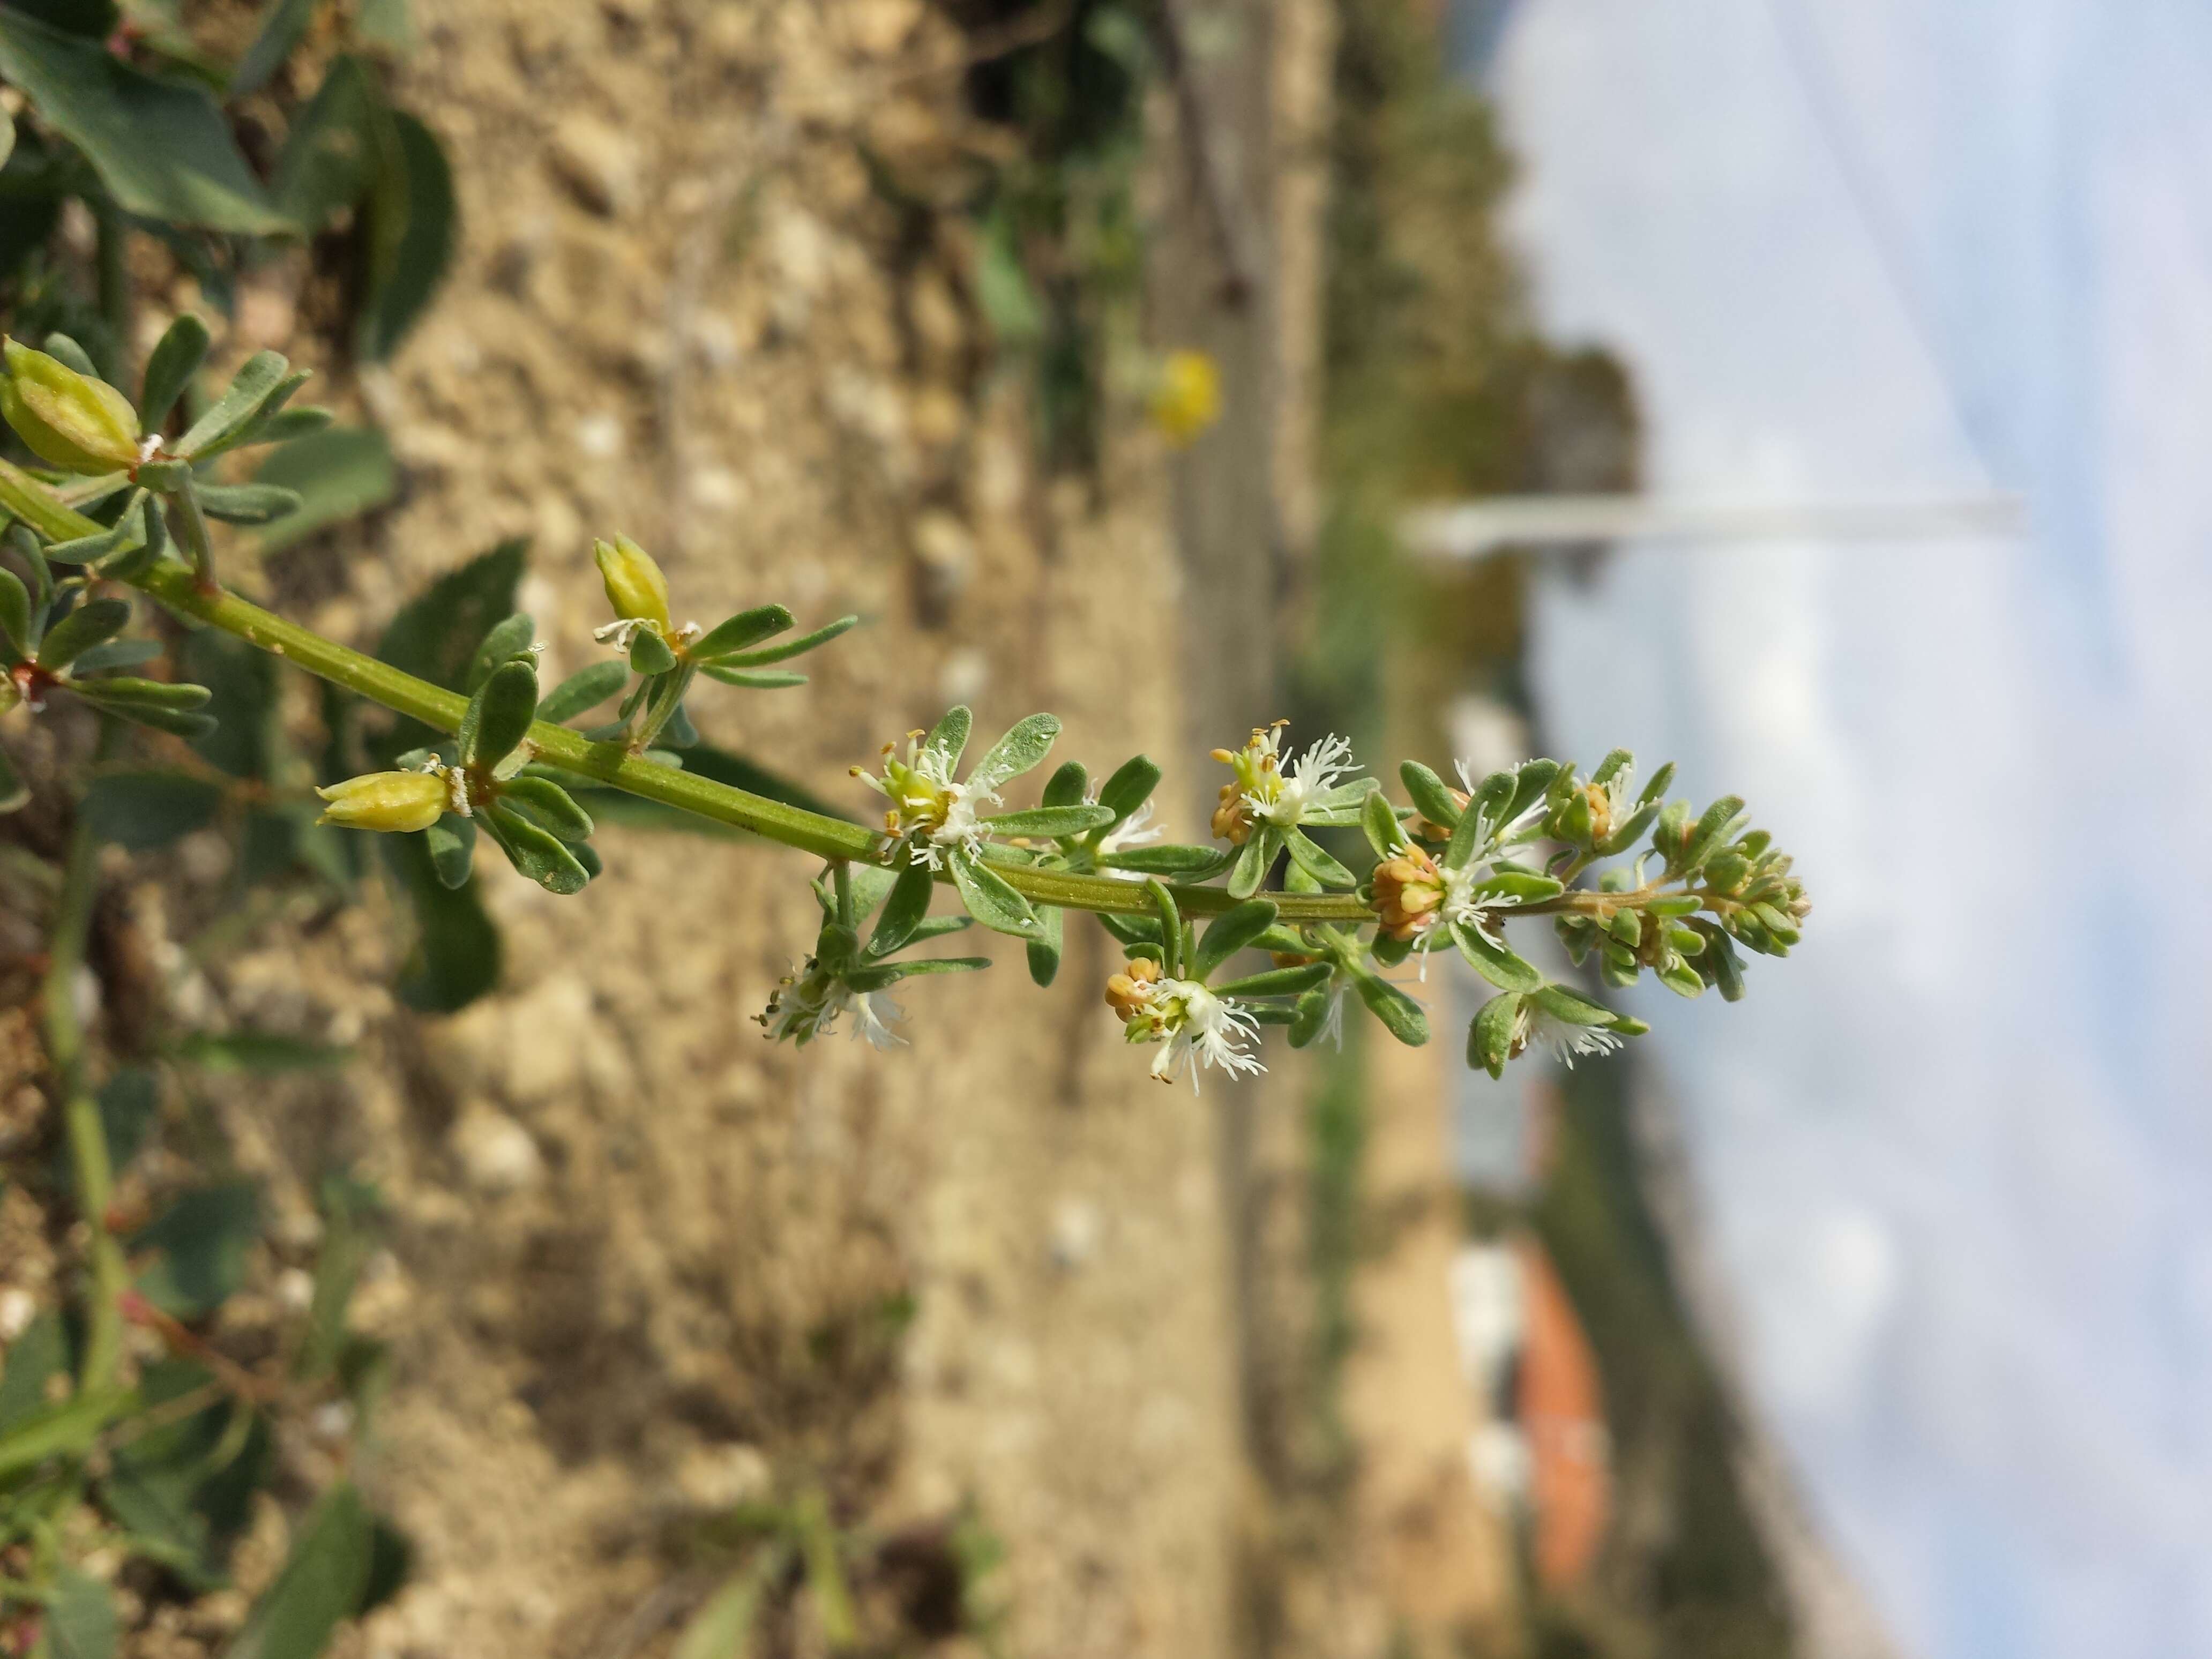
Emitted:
<point x="1188" y="398"/>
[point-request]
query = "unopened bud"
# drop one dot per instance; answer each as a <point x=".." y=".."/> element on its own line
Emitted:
<point x="1232" y="820"/>
<point x="69" y="420"/>
<point x="1429" y="829"/>
<point x="1409" y="893"/>
<point x="392" y="801"/>
<point x="1127" y="993"/>
<point x="635" y="587"/>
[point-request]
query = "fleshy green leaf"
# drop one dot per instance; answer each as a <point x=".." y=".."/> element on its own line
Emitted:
<point x="1490" y="1033"/>
<point x="735" y="633"/>
<point x="1051" y="821"/>
<point x="170" y="368"/>
<point x="509" y="641"/>
<point x="1310" y="1016"/>
<point x="452" y="844"/>
<point x="1066" y="786"/>
<point x="1230" y="932"/>
<point x="15" y="614"/>
<point x="1400" y="1015"/>
<point x="649" y="653"/>
<point x="791" y="649"/>
<point x="251" y="388"/>
<point x="1130" y="788"/>
<point x="751" y="679"/>
<point x="412" y="232"/>
<point x="1379" y="820"/>
<point x="1277" y="981"/>
<point x="1254" y="860"/>
<point x="548" y="805"/>
<point x="949" y="737"/>
<point x="1171" y="858"/>
<point x="991" y="901"/>
<point x="584" y="690"/>
<point x="499" y="714"/>
<point x="260" y="1053"/>
<point x="158" y="703"/>
<point x="538" y="853"/>
<point x="1309" y="856"/>
<point x="1431" y="794"/>
<point x="82" y="628"/>
<point x="1494" y="960"/>
<point x="1022" y="748"/>
<point x="249" y="504"/>
<point x="903" y="910"/>
<point x="1044" y="951"/>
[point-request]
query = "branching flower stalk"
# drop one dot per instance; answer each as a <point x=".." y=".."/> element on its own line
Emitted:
<point x="1452" y="868"/>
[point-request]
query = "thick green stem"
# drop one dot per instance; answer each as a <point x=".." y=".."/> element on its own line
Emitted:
<point x="613" y="764"/>
<point x="87" y="1138"/>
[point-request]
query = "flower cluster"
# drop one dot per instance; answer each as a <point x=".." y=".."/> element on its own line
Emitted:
<point x="1454" y="868"/>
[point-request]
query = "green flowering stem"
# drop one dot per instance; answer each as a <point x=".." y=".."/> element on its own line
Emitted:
<point x="612" y="763"/>
<point x="87" y="1140"/>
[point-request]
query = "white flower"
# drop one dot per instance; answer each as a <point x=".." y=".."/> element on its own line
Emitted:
<point x="1462" y="904"/>
<point x="812" y="1006"/>
<point x="1324" y="766"/>
<point x="1133" y="832"/>
<point x="1194" y="1028"/>
<point x="1569" y="1041"/>
<point x="926" y="804"/>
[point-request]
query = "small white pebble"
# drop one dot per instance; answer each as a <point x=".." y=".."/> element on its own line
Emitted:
<point x="296" y="1290"/>
<point x="17" y="1310"/>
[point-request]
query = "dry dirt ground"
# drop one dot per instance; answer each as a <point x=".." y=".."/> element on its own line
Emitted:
<point x="641" y="1265"/>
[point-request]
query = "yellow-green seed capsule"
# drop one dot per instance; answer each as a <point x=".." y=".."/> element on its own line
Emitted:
<point x="392" y="801"/>
<point x="69" y="420"/>
<point x="635" y="587"/>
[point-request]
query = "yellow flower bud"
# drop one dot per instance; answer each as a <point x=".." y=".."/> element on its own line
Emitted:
<point x="1128" y="993"/>
<point x="1409" y="893"/>
<point x="1188" y="398"/>
<point x="69" y="420"/>
<point x="393" y="801"/>
<point x="635" y="587"/>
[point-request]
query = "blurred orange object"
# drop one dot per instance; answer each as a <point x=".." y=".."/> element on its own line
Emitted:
<point x="1561" y="1410"/>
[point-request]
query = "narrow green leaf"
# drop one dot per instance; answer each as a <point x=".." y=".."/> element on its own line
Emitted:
<point x="723" y="1629"/>
<point x="586" y="688"/>
<point x="1310" y="1015"/>
<point x="1490" y="1033"/>
<point x="538" y="853"/>
<point x="66" y="350"/>
<point x="749" y="679"/>
<point x="1170" y="925"/>
<point x="247" y="503"/>
<point x="791" y="649"/>
<point x="82" y="628"/>
<point x="1431" y="794"/>
<point x="1379" y="820"/>
<point x="990" y="900"/>
<point x="1494" y="960"/>
<point x="15" y="616"/>
<point x="127" y="532"/>
<point x="1051" y="821"/>
<point x="451" y="841"/>
<point x="1066" y="786"/>
<point x="1254" y="860"/>
<point x="1400" y="1015"/>
<point x="252" y="386"/>
<point x="910" y="901"/>
<point x="1130" y="788"/>
<point x="1230" y="932"/>
<point x="170" y="368"/>
<point x="1561" y="1003"/>
<point x="1022" y="747"/>
<point x="509" y="641"/>
<point x="257" y="1052"/>
<point x="499" y="714"/>
<point x="734" y="634"/>
<point x="949" y="737"/>
<point x="1044" y="951"/>
<point x="1276" y="981"/>
<point x="1309" y="855"/>
<point x="546" y="804"/>
<point x="649" y="653"/>
<point x="1170" y="858"/>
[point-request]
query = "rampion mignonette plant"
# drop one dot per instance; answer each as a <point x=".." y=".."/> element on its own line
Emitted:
<point x="1675" y="891"/>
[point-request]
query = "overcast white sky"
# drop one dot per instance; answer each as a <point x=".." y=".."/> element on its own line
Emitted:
<point x="1959" y="1149"/>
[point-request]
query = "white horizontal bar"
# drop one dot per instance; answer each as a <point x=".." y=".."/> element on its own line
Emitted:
<point x="1467" y="530"/>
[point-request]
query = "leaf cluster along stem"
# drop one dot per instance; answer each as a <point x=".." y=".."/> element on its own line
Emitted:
<point x="613" y="764"/>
